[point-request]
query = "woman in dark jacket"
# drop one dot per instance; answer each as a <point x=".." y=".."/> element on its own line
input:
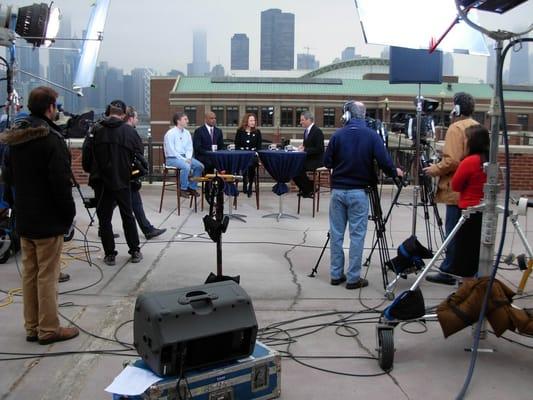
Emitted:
<point x="248" y="137"/>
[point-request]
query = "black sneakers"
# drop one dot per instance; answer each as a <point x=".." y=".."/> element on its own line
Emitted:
<point x="336" y="282"/>
<point x="154" y="233"/>
<point x="441" y="278"/>
<point x="136" y="256"/>
<point x="361" y="283"/>
<point x="110" y="259"/>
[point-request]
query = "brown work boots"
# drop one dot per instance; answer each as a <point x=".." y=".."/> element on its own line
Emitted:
<point x="61" y="335"/>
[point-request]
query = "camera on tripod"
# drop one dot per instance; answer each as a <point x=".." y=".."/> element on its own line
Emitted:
<point x="424" y="161"/>
<point x="427" y="124"/>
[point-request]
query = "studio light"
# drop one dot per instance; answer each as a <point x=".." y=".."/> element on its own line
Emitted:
<point x="413" y="23"/>
<point x="91" y="46"/>
<point x="498" y="6"/>
<point x="37" y="24"/>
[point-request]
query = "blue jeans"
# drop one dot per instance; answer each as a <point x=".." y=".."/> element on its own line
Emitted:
<point x="195" y="166"/>
<point x="347" y="206"/>
<point x="453" y="214"/>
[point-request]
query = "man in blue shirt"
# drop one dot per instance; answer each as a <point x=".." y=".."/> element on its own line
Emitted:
<point x="178" y="153"/>
<point x="350" y="154"/>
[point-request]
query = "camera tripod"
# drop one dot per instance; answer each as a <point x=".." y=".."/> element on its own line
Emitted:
<point x="381" y="239"/>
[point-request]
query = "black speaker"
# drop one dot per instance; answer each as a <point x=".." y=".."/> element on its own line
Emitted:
<point x="188" y="328"/>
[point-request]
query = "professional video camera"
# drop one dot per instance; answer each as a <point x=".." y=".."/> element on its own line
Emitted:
<point x="78" y="125"/>
<point x="427" y="124"/>
<point x="379" y="127"/>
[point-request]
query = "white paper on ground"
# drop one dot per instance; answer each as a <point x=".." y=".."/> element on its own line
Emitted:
<point x="133" y="381"/>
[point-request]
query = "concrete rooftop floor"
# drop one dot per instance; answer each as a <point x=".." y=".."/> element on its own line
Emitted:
<point x="273" y="259"/>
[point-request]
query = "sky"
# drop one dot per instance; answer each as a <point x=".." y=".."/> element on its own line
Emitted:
<point x="158" y="33"/>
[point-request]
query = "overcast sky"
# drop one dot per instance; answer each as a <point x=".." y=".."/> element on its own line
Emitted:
<point x="158" y="33"/>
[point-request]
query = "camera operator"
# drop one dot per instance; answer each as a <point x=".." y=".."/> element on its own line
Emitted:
<point x="350" y="154"/>
<point x="454" y="151"/>
<point x="108" y="153"/>
<point x="37" y="167"/>
<point x="147" y="228"/>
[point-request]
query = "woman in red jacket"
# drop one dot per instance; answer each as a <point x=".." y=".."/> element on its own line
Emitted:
<point x="468" y="180"/>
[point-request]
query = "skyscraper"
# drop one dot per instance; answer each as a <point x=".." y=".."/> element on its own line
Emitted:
<point x="277" y="40"/>
<point x="200" y="65"/>
<point x="348" y="54"/>
<point x="240" y="52"/>
<point x="447" y="64"/>
<point x="306" y="61"/>
<point x="140" y="78"/>
<point x="519" y="66"/>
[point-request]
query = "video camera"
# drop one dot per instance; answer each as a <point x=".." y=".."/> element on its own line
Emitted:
<point x="427" y="124"/>
<point x="379" y="127"/>
<point x="79" y="125"/>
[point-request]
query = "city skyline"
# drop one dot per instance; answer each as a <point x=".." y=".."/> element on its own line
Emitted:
<point x="326" y="28"/>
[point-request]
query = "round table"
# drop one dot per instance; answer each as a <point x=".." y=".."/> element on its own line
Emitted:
<point x="282" y="166"/>
<point x="233" y="162"/>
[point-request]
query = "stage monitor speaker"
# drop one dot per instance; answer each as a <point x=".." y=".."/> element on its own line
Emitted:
<point x="415" y="66"/>
<point x="189" y="328"/>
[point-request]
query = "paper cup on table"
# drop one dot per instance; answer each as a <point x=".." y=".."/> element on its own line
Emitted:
<point x="214" y="147"/>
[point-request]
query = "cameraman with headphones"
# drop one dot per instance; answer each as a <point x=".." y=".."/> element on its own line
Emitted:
<point x="108" y="154"/>
<point x="453" y="152"/>
<point x="350" y="154"/>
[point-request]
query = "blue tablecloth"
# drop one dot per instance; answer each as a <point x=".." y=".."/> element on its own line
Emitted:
<point x="282" y="166"/>
<point x="232" y="162"/>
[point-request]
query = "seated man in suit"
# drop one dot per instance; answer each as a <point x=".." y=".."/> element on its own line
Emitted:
<point x="205" y="137"/>
<point x="313" y="145"/>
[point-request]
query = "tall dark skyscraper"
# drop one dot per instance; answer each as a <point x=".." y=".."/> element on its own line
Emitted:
<point x="519" y="66"/>
<point x="240" y="52"/>
<point x="277" y="40"/>
<point x="200" y="65"/>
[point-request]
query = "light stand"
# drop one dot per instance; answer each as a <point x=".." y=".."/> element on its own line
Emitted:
<point x="491" y="188"/>
<point x="416" y="187"/>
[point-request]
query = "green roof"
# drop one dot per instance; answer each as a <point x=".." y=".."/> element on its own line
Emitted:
<point x="345" y="87"/>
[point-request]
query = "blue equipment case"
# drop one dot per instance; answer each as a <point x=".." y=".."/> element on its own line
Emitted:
<point x="255" y="377"/>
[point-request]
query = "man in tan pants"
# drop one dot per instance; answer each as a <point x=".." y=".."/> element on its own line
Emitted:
<point x="37" y="171"/>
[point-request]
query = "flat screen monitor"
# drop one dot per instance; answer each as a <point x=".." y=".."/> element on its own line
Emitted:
<point x="414" y="66"/>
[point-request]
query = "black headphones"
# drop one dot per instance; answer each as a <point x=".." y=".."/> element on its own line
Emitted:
<point x="116" y="104"/>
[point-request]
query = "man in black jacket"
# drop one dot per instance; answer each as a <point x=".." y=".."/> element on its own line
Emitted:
<point x="108" y="154"/>
<point x="37" y="168"/>
<point x="207" y="138"/>
<point x="147" y="228"/>
<point x="313" y="145"/>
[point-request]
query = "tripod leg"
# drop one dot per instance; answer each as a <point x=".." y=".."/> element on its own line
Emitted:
<point x="315" y="269"/>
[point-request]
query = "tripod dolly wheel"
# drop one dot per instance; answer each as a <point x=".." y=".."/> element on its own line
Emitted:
<point x="389" y="295"/>
<point x="385" y="342"/>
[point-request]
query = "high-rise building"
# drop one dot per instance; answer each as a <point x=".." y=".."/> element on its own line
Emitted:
<point x="141" y="89"/>
<point x="447" y="64"/>
<point x="240" y="52"/>
<point x="218" y="70"/>
<point x="62" y="65"/>
<point x="199" y="66"/>
<point x="519" y="66"/>
<point x="491" y="64"/>
<point x="348" y="54"/>
<point x="95" y="96"/>
<point x="277" y="40"/>
<point x="114" y="85"/>
<point x="306" y="61"/>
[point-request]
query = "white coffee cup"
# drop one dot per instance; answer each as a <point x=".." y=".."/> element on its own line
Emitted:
<point x="214" y="147"/>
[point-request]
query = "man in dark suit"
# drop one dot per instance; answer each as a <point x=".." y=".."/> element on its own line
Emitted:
<point x="313" y="145"/>
<point x="205" y="138"/>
